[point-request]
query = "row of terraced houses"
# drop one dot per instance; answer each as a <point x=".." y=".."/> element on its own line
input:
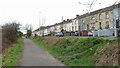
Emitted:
<point x="103" y="22"/>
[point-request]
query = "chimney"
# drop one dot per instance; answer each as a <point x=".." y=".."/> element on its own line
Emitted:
<point x="63" y="20"/>
<point x="67" y="19"/>
<point x="77" y="15"/>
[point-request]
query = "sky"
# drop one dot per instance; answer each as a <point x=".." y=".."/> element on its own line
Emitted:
<point x="47" y="11"/>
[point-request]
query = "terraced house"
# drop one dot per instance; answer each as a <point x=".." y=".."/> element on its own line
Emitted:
<point x="67" y="25"/>
<point x="82" y="24"/>
<point x="58" y="27"/>
<point x="102" y="22"/>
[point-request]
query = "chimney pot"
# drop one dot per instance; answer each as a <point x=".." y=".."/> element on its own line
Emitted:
<point x="77" y="15"/>
<point x="67" y="19"/>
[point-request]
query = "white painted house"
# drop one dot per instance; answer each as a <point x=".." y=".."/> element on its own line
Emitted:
<point x="69" y="25"/>
<point x="74" y="25"/>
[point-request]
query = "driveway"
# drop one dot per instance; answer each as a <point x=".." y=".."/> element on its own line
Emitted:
<point x="33" y="55"/>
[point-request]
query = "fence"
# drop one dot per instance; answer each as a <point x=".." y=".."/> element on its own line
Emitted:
<point x="105" y="32"/>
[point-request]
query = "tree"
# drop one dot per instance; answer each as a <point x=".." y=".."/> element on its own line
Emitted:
<point x="10" y="30"/>
<point x="19" y="34"/>
<point x="62" y="30"/>
<point x="28" y="28"/>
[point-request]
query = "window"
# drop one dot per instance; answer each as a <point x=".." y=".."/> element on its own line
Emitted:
<point x="117" y="24"/>
<point x="75" y="23"/>
<point x="75" y="28"/>
<point x="107" y="24"/>
<point x="82" y="21"/>
<point x="93" y="17"/>
<point x="100" y="25"/>
<point x="100" y="16"/>
<point x="72" y="28"/>
<point x="72" y="23"/>
<point x="107" y="15"/>
<point x="93" y="26"/>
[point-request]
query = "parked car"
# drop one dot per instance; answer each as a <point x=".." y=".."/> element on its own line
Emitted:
<point x="60" y="34"/>
<point x="76" y="33"/>
<point x="45" y="34"/>
<point x="90" y="33"/>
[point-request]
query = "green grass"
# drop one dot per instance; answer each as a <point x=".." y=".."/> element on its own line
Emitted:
<point x="39" y="42"/>
<point x="13" y="56"/>
<point x="0" y="61"/>
<point x="85" y="46"/>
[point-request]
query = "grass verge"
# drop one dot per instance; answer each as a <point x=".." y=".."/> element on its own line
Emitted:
<point x="13" y="56"/>
<point x="86" y="47"/>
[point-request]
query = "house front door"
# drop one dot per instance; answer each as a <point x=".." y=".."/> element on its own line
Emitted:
<point x="100" y="25"/>
<point x="87" y="27"/>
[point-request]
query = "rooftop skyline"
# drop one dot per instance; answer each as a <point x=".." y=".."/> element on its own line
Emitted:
<point x="27" y="11"/>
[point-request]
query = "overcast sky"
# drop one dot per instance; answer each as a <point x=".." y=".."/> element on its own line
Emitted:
<point x="27" y="11"/>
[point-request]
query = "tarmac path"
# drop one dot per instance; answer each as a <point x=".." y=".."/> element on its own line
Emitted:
<point x="34" y="55"/>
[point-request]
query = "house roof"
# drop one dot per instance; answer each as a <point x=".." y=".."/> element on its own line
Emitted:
<point x="84" y="15"/>
<point x="99" y="11"/>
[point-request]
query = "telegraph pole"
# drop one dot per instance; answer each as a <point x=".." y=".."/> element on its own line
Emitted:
<point x="39" y="22"/>
<point x="62" y="22"/>
<point x="43" y="24"/>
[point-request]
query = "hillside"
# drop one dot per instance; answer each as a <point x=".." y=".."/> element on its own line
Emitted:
<point x="81" y="51"/>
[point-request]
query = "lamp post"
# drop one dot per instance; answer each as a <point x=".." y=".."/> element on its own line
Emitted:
<point x="39" y="23"/>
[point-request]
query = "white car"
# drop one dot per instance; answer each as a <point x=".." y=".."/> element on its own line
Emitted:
<point x="60" y="34"/>
<point x="90" y="33"/>
<point x="45" y="34"/>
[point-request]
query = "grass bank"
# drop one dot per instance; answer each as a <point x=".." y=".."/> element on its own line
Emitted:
<point x="73" y="51"/>
<point x="14" y="54"/>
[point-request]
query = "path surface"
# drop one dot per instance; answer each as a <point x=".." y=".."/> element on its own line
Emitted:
<point x="33" y="55"/>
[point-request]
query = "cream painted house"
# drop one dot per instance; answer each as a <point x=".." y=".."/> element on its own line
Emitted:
<point x="68" y="25"/>
<point x="75" y="25"/>
<point x="58" y="27"/>
<point x="103" y="22"/>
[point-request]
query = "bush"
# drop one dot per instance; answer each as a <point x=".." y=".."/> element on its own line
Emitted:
<point x="9" y="35"/>
<point x="10" y="31"/>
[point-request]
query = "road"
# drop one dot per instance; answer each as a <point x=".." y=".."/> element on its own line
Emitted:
<point x="111" y="38"/>
<point x="33" y="55"/>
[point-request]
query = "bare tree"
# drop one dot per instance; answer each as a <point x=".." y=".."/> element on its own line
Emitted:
<point x="89" y="6"/>
<point x="29" y="28"/>
<point x="10" y="31"/>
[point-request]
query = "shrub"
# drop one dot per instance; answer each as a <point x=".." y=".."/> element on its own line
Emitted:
<point x="10" y="31"/>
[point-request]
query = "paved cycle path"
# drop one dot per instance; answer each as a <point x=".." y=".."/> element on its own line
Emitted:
<point x="34" y="55"/>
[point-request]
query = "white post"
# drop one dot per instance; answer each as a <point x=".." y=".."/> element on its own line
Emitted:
<point x="115" y="32"/>
<point x="93" y="33"/>
<point x="98" y="33"/>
